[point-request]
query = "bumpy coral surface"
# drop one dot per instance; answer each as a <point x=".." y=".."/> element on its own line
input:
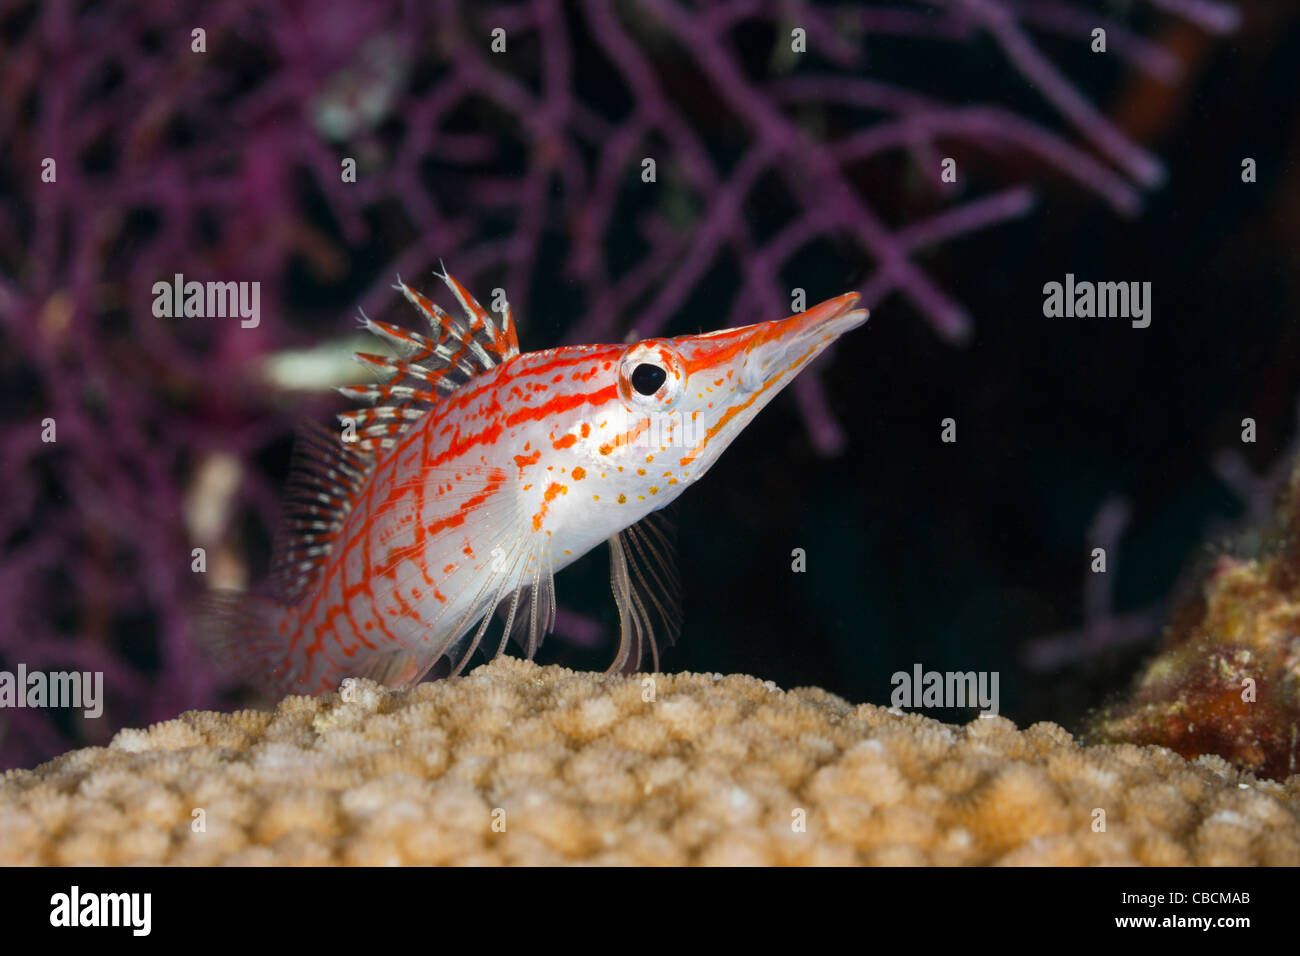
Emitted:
<point x="524" y="764"/>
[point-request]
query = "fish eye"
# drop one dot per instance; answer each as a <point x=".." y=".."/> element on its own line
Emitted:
<point x="651" y="375"/>
<point x="647" y="378"/>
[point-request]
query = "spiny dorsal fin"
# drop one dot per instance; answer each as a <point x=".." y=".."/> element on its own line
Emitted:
<point x="426" y="369"/>
<point x="326" y="476"/>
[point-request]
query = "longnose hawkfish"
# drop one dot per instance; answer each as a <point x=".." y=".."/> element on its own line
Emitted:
<point x="477" y="472"/>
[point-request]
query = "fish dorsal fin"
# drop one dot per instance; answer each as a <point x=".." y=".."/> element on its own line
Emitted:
<point x="325" y="478"/>
<point x="426" y="368"/>
<point x="647" y="589"/>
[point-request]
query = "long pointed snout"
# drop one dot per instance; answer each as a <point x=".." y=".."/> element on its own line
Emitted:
<point x="782" y="347"/>
<point x="732" y="374"/>
<point x="770" y="344"/>
<point x="830" y="318"/>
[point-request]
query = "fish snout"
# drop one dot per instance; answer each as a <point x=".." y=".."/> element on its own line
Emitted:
<point x="787" y="345"/>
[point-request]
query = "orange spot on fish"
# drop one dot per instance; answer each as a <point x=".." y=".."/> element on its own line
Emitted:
<point x="579" y="473"/>
<point x="553" y="490"/>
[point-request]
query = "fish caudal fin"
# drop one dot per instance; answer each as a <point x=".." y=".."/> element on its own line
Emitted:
<point x="241" y="633"/>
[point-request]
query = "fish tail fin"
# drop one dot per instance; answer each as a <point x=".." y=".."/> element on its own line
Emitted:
<point x="248" y="636"/>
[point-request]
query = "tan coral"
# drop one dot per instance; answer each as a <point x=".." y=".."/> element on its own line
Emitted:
<point x="522" y="764"/>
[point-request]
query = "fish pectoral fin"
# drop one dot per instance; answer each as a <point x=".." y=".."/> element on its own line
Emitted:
<point x="647" y="590"/>
<point x="400" y="667"/>
<point x="419" y="525"/>
<point x="515" y="579"/>
<point x="520" y="586"/>
<point x="530" y="614"/>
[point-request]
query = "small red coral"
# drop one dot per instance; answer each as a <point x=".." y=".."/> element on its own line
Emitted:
<point x="1228" y="679"/>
